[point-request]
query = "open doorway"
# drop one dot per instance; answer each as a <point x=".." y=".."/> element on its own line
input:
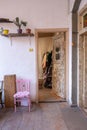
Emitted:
<point x="51" y="65"/>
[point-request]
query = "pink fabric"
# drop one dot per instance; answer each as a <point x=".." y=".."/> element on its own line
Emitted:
<point x="21" y="94"/>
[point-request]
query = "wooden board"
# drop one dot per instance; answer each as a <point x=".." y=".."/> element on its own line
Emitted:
<point x="10" y="89"/>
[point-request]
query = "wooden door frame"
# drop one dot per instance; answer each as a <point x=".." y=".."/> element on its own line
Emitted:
<point x="53" y="30"/>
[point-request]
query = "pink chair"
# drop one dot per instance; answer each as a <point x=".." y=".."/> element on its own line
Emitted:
<point x="23" y="92"/>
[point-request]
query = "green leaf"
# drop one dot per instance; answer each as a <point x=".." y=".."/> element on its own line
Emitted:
<point x="17" y="19"/>
<point x="24" y="23"/>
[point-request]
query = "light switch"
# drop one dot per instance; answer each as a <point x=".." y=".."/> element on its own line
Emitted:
<point x="30" y="49"/>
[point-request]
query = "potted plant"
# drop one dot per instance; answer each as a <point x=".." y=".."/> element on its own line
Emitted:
<point x="19" y="24"/>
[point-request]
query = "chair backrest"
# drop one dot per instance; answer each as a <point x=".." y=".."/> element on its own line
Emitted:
<point x="22" y="85"/>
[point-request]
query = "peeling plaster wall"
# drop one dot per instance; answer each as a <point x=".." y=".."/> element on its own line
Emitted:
<point x="59" y="69"/>
<point x="82" y="80"/>
<point x="83" y="71"/>
<point x="81" y="57"/>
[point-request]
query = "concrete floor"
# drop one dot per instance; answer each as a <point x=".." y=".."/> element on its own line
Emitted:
<point x="43" y="116"/>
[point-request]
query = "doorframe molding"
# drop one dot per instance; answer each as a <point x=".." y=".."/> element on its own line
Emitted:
<point x="53" y="30"/>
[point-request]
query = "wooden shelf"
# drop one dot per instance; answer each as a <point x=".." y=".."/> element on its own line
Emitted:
<point x="6" y="21"/>
<point x="18" y="35"/>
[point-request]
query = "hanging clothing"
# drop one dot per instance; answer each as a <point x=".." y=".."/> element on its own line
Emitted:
<point x="44" y="61"/>
<point x="49" y="60"/>
<point x="47" y="69"/>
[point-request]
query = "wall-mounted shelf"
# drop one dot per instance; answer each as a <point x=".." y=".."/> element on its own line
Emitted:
<point x="18" y="35"/>
<point x="10" y="35"/>
<point x="5" y="20"/>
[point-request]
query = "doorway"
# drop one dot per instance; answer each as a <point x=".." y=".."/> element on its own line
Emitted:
<point x="52" y="78"/>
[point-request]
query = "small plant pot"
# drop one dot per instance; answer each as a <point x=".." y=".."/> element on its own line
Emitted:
<point x="28" y="30"/>
<point x="19" y="31"/>
<point x="5" y="31"/>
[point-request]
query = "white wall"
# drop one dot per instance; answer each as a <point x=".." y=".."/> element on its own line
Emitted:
<point x="69" y="66"/>
<point x="71" y="2"/>
<point x="69" y="53"/>
<point x="17" y="59"/>
<point x="83" y="2"/>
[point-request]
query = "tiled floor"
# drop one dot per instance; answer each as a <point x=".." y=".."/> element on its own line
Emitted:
<point x="47" y="95"/>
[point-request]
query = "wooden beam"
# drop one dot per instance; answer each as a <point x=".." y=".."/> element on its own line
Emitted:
<point x="76" y="6"/>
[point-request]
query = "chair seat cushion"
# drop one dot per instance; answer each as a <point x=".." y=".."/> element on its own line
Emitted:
<point x="21" y="94"/>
